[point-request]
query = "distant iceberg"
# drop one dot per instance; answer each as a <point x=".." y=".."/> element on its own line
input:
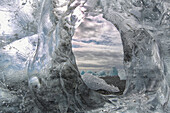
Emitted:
<point x="113" y="72"/>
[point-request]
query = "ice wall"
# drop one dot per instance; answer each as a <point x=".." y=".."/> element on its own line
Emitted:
<point x="140" y="25"/>
<point x="43" y="75"/>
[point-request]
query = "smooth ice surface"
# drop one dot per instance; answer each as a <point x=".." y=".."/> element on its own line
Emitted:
<point x="40" y="75"/>
<point x="96" y="83"/>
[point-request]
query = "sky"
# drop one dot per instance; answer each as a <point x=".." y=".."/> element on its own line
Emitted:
<point x="97" y="45"/>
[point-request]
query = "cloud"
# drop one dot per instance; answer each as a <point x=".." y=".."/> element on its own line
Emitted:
<point x="99" y="59"/>
<point x="94" y="27"/>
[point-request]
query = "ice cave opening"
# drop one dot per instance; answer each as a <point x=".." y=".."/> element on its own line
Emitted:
<point x="98" y="50"/>
<point x="38" y="69"/>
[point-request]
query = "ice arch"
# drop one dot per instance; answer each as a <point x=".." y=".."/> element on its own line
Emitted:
<point x="54" y="83"/>
<point x="143" y="62"/>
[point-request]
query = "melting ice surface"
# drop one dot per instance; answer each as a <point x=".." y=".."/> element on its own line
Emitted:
<point x="40" y="74"/>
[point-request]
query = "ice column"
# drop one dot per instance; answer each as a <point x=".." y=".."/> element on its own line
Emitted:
<point x="60" y="87"/>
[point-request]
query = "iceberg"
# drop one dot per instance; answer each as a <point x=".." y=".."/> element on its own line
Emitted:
<point x="96" y="83"/>
<point x="38" y="70"/>
<point x="102" y="73"/>
<point x="114" y="72"/>
<point x="82" y="72"/>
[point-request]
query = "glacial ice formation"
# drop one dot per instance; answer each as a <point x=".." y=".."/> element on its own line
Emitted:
<point x="96" y="83"/>
<point x="42" y="77"/>
<point x="114" y="71"/>
<point x="19" y="18"/>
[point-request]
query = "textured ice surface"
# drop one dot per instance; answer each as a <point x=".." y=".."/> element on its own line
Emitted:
<point x="42" y="75"/>
<point x="19" y="18"/>
<point x="14" y="59"/>
<point x="139" y="23"/>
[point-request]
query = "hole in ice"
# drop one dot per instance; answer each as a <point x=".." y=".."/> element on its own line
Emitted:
<point x="34" y="82"/>
<point x="98" y="49"/>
